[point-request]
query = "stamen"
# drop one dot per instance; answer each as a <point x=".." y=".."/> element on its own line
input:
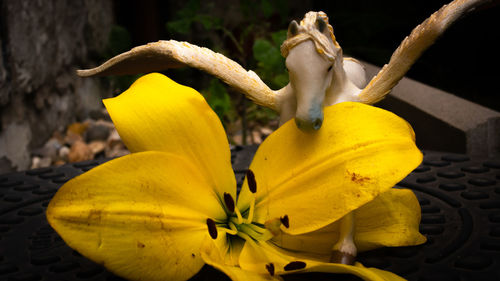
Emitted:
<point x="266" y="236"/>
<point x="256" y="232"/>
<point x="294" y="265"/>
<point x="232" y="226"/>
<point x="212" y="229"/>
<point x="251" y="232"/>
<point x="228" y="199"/>
<point x="252" y="184"/>
<point x="251" y="211"/>
<point x="238" y="214"/>
<point x="270" y="268"/>
<point x="257" y="228"/>
<point x="284" y="220"/>
<point x="245" y="236"/>
<point x="233" y="230"/>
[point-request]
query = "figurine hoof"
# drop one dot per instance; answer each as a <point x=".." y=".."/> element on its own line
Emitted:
<point x="343" y="258"/>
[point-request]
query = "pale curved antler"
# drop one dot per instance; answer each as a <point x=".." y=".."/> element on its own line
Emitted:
<point x="173" y="54"/>
<point x="412" y="47"/>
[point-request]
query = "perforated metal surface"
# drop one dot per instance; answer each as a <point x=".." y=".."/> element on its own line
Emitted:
<point x="460" y="199"/>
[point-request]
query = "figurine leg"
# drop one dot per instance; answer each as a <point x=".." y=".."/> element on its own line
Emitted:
<point x="344" y="251"/>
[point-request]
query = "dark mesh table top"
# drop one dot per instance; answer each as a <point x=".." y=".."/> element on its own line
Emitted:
<point x="460" y="199"/>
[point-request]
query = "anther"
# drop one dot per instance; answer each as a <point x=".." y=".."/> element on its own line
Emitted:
<point x="228" y="199"/>
<point x="212" y="229"/>
<point x="284" y="220"/>
<point x="270" y="268"/>
<point x="252" y="184"/>
<point x="294" y="265"/>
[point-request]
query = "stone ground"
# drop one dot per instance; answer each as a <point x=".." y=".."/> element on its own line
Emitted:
<point x="97" y="138"/>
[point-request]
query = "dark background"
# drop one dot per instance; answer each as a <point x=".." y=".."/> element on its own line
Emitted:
<point x="464" y="61"/>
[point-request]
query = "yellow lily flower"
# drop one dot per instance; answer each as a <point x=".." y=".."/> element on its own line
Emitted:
<point x="168" y="208"/>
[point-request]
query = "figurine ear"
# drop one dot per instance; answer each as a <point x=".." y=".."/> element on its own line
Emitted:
<point x="321" y="25"/>
<point x="293" y="29"/>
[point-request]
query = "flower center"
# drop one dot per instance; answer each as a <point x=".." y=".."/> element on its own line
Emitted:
<point x="243" y="226"/>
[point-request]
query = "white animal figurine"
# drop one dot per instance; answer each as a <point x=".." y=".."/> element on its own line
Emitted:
<point x="319" y="75"/>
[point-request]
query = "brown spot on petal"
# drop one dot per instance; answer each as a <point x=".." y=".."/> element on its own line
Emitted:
<point x="94" y="217"/>
<point x="270" y="268"/>
<point x="228" y="199"/>
<point x="212" y="229"/>
<point x="359" y="179"/>
<point x="294" y="265"/>
<point x="285" y="221"/>
<point x="252" y="184"/>
<point x="140" y="245"/>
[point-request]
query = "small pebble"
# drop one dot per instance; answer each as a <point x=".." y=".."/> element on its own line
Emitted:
<point x="40" y="162"/>
<point x="79" y="152"/>
<point x="97" y="132"/>
<point x="97" y="146"/>
<point x="63" y="153"/>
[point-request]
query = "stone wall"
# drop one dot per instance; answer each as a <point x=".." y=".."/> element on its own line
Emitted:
<point x="42" y="43"/>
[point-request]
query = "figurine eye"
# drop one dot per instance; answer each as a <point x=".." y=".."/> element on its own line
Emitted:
<point x="329" y="68"/>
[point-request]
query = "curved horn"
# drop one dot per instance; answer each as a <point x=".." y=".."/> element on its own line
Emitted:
<point x="421" y="38"/>
<point x="173" y="54"/>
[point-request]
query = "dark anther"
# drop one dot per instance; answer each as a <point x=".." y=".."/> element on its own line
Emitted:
<point x="212" y="229"/>
<point x="270" y="268"/>
<point x="294" y="265"/>
<point x="228" y="199"/>
<point x="252" y="185"/>
<point x="284" y="220"/>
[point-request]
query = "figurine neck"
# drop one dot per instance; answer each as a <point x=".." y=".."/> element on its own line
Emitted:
<point x="341" y="89"/>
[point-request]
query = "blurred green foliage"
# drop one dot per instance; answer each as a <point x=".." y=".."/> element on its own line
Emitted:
<point x="119" y="42"/>
<point x="270" y="63"/>
<point x="254" y="42"/>
<point x="250" y="33"/>
<point x="218" y="98"/>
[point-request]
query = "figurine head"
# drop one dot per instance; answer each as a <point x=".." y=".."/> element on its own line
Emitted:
<point x="312" y="55"/>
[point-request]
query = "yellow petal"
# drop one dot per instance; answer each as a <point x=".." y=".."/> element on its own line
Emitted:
<point x="258" y="256"/>
<point x="156" y="113"/>
<point x="316" y="178"/>
<point x="143" y="216"/>
<point x="213" y="256"/>
<point x="255" y="257"/>
<point x="390" y="220"/>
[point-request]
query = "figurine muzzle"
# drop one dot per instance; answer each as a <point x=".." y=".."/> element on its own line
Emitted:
<point x="311" y="121"/>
